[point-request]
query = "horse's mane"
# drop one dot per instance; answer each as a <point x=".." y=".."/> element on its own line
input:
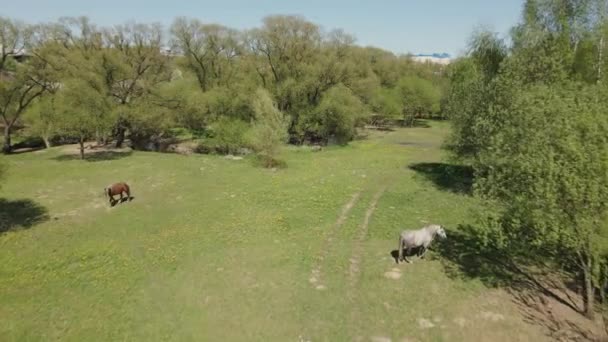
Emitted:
<point x="432" y="228"/>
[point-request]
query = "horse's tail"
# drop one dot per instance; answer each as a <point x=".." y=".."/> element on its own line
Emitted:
<point x="106" y="192"/>
<point x="127" y="190"/>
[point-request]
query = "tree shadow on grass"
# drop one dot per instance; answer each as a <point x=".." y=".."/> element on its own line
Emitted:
<point x="23" y="213"/>
<point x="418" y="123"/>
<point x="421" y="123"/>
<point x="541" y="297"/>
<point x="95" y="156"/>
<point x="454" y="178"/>
<point x="27" y="150"/>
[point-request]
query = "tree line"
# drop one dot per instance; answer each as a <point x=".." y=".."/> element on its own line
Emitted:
<point x="531" y="117"/>
<point x="82" y="81"/>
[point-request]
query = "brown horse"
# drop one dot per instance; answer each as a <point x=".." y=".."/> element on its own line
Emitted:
<point x="117" y="189"/>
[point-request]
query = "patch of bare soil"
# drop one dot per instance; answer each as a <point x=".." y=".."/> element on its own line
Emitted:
<point x="393" y="274"/>
<point x="558" y="310"/>
<point x="29" y="149"/>
<point x="418" y="144"/>
<point x="184" y="148"/>
<point x="92" y="148"/>
<point x="424" y="323"/>
<point x="93" y="152"/>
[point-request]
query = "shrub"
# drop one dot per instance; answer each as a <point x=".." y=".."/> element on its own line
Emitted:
<point x="338" y="115"/>
<point x="269" y="129"/>
<point x="228" y="136"/>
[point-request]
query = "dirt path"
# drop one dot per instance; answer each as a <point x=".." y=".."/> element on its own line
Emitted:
<point x="316" y="277"/>
<point x="354" y="270"/>
<point x="355" y="259"/>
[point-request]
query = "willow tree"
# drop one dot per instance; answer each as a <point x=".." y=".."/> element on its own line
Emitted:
<point x="419" y="97"/>
<point x="132" y="66"/>
<point x="20" y="82"/>
<point x="269" y="130"/>
<point x="470" y="93"/>
<point x="547" y="169"/>
<point x="210" y="51"/>
<point x="337" y="116"/>
<point x="79" y="111"/>
<point x="532" y="123"/>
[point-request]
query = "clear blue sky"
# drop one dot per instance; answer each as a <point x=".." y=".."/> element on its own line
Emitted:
<point x="417" y="26"/>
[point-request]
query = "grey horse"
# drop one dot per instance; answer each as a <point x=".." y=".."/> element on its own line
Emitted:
<point x="422" y="237"/>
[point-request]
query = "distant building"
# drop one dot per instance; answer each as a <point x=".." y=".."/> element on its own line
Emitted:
<point x="19" y="55"/>
<point x="439" y="58"/>
<point x="168" y="51"/>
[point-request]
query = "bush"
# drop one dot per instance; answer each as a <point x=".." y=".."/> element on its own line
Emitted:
<point x="269" y="130"/>
<point x="29" y="142"/>
<point x="338" y="115"/>
<point x="228" y="137"/>
<point x="386" y="104"/>
<point x="41" y="118"/>
<point x="420" y="98"/>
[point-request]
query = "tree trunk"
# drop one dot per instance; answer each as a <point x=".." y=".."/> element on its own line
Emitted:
<point x="7" y="148"/>
<point x="588" y="290"/>
<point x="47" y="142"/>
<point x="603" y="290"/>
<point x="81" y="142"/>
<point x="599" y="61"/>
<point x="120" y="136"/>
<point x="98" y="138"/>
<point x="603" y="283"/>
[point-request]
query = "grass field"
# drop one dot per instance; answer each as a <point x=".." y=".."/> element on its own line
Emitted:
<point x="218" y="250"/>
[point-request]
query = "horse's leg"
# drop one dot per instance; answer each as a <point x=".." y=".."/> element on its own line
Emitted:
<point x="400" y="250"/>
<point x="407" y="252"/>
<point x="422" y="252"/>
<point x="424" y="249"/>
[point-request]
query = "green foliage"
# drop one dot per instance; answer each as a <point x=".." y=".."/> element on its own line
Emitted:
<point x="209" y="50"/>
<point x="337" y="116"/>
<point x="229" y="135"/>
<point x="533" y="124"/>
<point x="184" y="99"/>
<point x="464" y="104"/>
<point x="269" y="130"/>
<point x="549" y="168"/>
<point x="387" y="103"/>
<point x="419" y="98"/>
<point x="214" y="74"/>
<point x="79" y="110"/>
<point x="234" y="103"/>
<point x="472" y="92"/>
<point x="488" y="51"/>
<point x="20" y="83"/>
<point x="42" y="118"/>
<point x="146" y="120"/>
